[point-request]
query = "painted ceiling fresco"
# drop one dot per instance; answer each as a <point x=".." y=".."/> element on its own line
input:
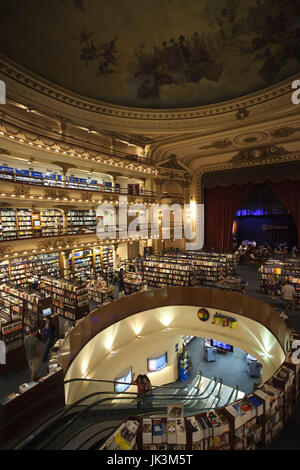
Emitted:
<point x="155" y="53"/>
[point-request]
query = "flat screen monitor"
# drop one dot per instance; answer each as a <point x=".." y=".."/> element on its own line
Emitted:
<point x="157" y="363"/>
<point x="220" y="345"/>
<point x="46" y="312"/>
<point x="123" y="383"/>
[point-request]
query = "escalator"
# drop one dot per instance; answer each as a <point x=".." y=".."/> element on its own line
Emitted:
<point x="84" y="426"/>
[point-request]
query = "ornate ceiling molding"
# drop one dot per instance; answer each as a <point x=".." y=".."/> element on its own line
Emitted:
<point x="47" y="96"/>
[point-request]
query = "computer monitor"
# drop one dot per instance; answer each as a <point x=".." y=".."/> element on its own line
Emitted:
<point x="220" y="345"/>
<point x="46" y="312"/>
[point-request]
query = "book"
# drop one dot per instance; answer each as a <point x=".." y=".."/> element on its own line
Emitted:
<point x="157" y="431"/>
<point x="257" y="403"/>
<point x="171" y="430"/>
<point x="147" y="431"/>
<point x="194" y="426"/>
<point x="175" y="411"/>
<point x="180" y="431"/>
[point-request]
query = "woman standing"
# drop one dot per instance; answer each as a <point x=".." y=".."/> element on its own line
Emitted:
<point x="140" y="388"/>
<point x="271" y="286"/>
<point x="148" y="395"/>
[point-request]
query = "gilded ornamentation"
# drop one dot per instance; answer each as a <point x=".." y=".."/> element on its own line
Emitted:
<point x="57" y="243"/>
<point x="5" y="250"/>
<point x="21" y="190"/>
<point x="218" y="144"/>
<point x="55" y="193"/>
<point x="267" y="152"/>
<point x="284" y="131"/>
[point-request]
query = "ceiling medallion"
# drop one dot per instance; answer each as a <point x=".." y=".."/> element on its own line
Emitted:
<point x="250" y="138"/>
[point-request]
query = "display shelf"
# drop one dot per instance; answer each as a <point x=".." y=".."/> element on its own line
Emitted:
<point x="24" y="305"/>
<point x="99" y="292"/>
<point x="8" y="224"/>
<point x="24" y="270"/>
<point x="24" y="223"/>
<point x="51" y="222"/>
<point x="79" y="221"/>
<point x="185" y="268"/>
<point x="69" y="299"/>
<point x="107" y="258"/>
<point x="133" y="282"/>
<point x="286" y="269"/>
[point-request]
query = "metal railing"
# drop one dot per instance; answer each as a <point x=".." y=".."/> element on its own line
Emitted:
<point x="46" y="433"/>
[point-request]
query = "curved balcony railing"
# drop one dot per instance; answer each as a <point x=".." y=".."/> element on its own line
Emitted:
<point x="62" y="182"/>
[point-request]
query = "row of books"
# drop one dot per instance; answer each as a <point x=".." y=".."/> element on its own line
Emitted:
<point x="68" y="298"/>
<point x="281" y="270"/>
<point x="200" y="267"/>
<point x="248" y="424"/>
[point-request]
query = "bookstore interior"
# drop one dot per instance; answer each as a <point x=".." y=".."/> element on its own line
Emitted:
<point x="203" y="303"/>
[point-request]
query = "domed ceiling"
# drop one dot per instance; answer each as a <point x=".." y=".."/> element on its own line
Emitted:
<point x="155" y="54"/>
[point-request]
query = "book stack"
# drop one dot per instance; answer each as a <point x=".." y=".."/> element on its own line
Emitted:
<point x="124" y="438"/>
<point x="273" y="398"/>
<point x="248" y="428"/>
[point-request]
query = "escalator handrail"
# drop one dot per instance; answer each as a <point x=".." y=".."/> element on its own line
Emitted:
<point x="90" y="437"/>
<point x="209" y="383"/>
<point x="62" y="414"/>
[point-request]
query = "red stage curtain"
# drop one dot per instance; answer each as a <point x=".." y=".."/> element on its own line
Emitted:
<point x="288" y="191"/>
<point x="220" y="205"/>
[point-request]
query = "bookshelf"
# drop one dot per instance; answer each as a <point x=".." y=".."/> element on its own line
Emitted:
<point x="79" y="221"/>
<point x="133" y="283"/>
<point x="99" y="292"/>
<point x="4" y="271"/>
<point x="107" y="258"/>
<point x="286" y="269"/>
<point x="8" y="224"/>
<point x="23" y="306"/>
<point x="24" y="223"/>
<point x="22" y="270"/>
<point x="158" y="272"/>
<point x="81" y="263"/>
<point x="187" y="268"/>
<point x="69" y="299"/>
<point x="250" y="423"/>
<point x="51" y="222"/>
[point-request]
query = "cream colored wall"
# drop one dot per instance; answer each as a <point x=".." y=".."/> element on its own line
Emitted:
<point x="95" y="360"/>
<point x="122" y="251"/>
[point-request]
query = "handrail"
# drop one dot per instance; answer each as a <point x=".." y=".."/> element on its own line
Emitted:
<point x="72" y="420"/>
<point x="90" y="437"/>
<point x="206" y="388"/>
<point x="65" y="184"/>
<point x="65" y="412"/>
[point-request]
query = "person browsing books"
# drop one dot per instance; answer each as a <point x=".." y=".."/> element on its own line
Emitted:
<point x="33" y="352"/>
